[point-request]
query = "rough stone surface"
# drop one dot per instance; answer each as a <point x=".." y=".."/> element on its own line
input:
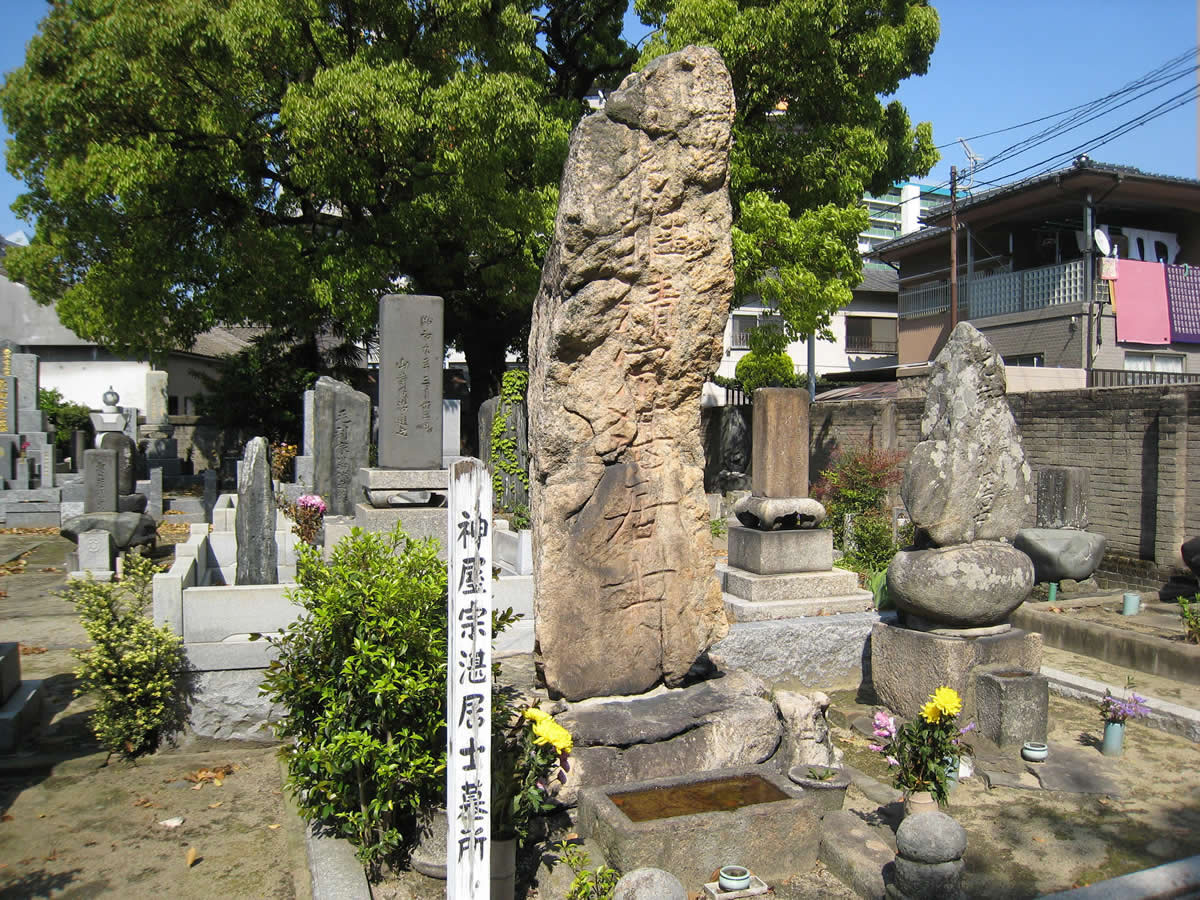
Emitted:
<point x="825" y="650"/>
<point x="857" y="852"/>
<point x="126" y="464"/>
<point x="1190" y="551"/>
<point x="128" y="529"/>
<point x="1061" y="553"/>
<point x="970" y="584"/>
<point x="227" y="705"/>
<point x="929" y="881"/>
<point x="780" y="445"/>
<point x="806" y="741"/>
<point x="342" y="433"/>
<point x="627" y="323"/>
<point x="907" y="666"/>
<point x="967" y="479"/>
<point x="132" y="503"/>
<point x="649" y="884"/>
<point x="768" y="513"/>
<point x="1062" y="497"/>
<point x="931" y="838"/>
<point x="719" y="723"/>
<point x="257" y="553"/>
<point x="1011" y="705"/>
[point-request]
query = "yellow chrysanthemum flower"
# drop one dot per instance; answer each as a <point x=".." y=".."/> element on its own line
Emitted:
<point x="536" y="715"/>
<point x="931" y="713"/>
<point x="547" y="731"/>
<point x="947" y="700"/>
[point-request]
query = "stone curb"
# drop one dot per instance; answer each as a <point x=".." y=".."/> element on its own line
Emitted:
<point x="335" y="870"/>
<point x="1176" y="879"/>
<point x="1164" y="715"/>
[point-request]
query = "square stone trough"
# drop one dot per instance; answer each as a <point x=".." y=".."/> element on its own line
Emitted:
<point x="691" y="825"/>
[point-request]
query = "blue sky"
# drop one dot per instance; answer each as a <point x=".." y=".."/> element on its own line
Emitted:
<point x="996" y="65"/>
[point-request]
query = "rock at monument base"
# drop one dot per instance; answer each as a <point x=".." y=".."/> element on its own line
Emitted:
<point x="132" y="503"/>
<point x="649" y="884"/>
<point x="806" y="737"/>
<point x="128" y="529"/>
<point x="907" y="666"/>
<point x="1060" y="553"/>
<point x="770" y="513"/>
<point x="965" y="585"/>
<point x="1190" y="551"/>
<point x="719" y="723"/>
<point x="628" y="320"/>
<point x="967" y="479"/>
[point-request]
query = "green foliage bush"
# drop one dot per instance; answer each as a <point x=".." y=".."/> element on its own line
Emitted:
<point x="767" y="364"/>
<point x="1191" y="619"/>
<point x="588" y="884"/>
<point x="856" y="483"/>
<point x="362" y="679"/>
<point x="503" y="450"/>
<point x="133" y="670"/>
<point x="65" y="417"/>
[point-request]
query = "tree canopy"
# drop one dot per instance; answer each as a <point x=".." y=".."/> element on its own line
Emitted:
<point x="286" y="162"/>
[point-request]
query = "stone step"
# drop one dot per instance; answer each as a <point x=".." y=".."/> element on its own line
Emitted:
<point x="20" y="714"/>
<point x="791" y="586"/>
<point x="740" y="610"/>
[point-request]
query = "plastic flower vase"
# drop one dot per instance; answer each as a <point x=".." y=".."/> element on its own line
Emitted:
<point x="1114" y="739"/>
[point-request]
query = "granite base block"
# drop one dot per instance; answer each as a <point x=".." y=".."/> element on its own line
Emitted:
<point x="418" y="522"/>
<point x="792" y="586"/>
<point x="777" y="552"/>
<point x="907" y="666"/>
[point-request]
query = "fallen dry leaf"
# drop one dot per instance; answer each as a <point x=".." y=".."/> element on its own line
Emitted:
<point x="196" y="787"/>
<point x="273" y="827"/>
<point x="27" y="650"/>
<point x="192" y="857"/>
<point x="214" y="774"/>
<point x="7" y="817"/>
<point x="214" y="805"/>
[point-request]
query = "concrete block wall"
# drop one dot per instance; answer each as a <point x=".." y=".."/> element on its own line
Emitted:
<point x="1136" y="442"/>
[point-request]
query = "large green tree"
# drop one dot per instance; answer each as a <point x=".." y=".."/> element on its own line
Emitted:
<point x="811" y="133"/>
<point x="285" y="162"/>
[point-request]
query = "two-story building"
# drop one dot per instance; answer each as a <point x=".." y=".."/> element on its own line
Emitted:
<point x="1087" y="268"/>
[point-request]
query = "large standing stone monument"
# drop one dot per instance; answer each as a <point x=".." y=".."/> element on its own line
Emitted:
<point x="254" y="522"/>
<point x="626" y="326"/>
<point x="411" y="347"/>
<point x="342" y="433"/>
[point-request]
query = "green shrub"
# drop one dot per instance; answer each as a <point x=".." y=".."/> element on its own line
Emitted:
<point x="588" y="884"/>
<point x="65" y="418"/>
<point x="857" y="483"/>
<point x="503" y="450"/>
<point x="755" y="371"/>
<point x="361" y="676"/>
<point x="1191" y="619"/>
<point x="133" y="670"/>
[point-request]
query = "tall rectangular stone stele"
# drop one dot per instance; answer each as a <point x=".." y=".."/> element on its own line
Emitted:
<point x="100" y="481"/>
<point x="309" y="424"/>
<point x="25" y="370"/>
<point x="342" y="435"/>
<point x="411" y="348"/>
<point x="779" y="447"/>
<point x="8" y="405"/>
<point x="156" y="397"/>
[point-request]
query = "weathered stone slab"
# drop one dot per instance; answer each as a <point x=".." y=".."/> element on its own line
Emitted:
<point x="830" y="584"/>
<point x="100" y="481"/>
<point x="342" y="435"/>
<point x="1062" y="493"/>
<point x="967" y="479"/>
<point x="257" y="553"/>
<point x="128" y="529"/>
<point x="8" y="405"/>
<point x="980" y="583"/>
<point x="780" y="421"/>
<point x="776" y="552"/>
<point x="1061" y="553"/>
<point x="410" y="381"/>
<point x="126" y="451"/>
<point x="628" y="320"/>
<point x="156" y="399"/>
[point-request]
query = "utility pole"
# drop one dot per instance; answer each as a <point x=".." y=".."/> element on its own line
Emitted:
<point x="953" y="247"/>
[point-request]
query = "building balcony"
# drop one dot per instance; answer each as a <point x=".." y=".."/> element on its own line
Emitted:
<point x="865" y="344"/>
<point x="999" y="294"/>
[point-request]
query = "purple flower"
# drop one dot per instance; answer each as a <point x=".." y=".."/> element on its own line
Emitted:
<point x="875" y="747"/>
<point x="311" y="502"/>
<point x="885" y="725"/>
<point x="970" y="726"/>
<point x="892" y="761"/>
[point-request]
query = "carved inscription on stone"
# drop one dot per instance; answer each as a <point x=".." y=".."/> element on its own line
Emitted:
<point x="627" y="323"/>
<point x="410" y="388"/>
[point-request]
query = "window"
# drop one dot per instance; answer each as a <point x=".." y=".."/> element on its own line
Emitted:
<point x="742" y="326"/>
<point x="869" y="334"/>
<point x="1025" y="359"/>
<point x="1153" y="362"/>
<point x="173" y="405"/>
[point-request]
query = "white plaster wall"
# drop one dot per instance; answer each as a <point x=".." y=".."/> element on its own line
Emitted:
<point x="85" y="382"/>
<point x="1042" y="378"/>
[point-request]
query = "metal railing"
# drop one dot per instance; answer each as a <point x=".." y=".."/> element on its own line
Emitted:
<point x="1128" y="378"/>
<point x="867" y="344"/>
<point x="981" y="296"/>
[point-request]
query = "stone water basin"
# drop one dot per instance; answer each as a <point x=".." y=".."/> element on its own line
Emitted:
<point x="691" y="825"/>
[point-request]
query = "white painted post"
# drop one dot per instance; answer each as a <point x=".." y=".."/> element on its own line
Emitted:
<point x="469" y="683"/>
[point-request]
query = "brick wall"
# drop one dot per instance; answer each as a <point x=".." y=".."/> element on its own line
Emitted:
<point x="1136" y="443"/>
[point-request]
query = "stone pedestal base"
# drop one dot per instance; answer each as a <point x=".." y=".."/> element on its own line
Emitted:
<point x="907" y="666"/>
<point x="379" y="486"/>
<point x="776" y="552"/>
<point x="418" y="522"/>
<point x="1012" y="705"/>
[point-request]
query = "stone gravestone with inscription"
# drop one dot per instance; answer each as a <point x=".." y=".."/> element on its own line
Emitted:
<point x="254" y="521"/>
<point x="8" y="405"/>
<point x="627" y="323"/>
<point x="342" y="433"/>
<point x="100" y="481"/>
<point x="410" y="382"/>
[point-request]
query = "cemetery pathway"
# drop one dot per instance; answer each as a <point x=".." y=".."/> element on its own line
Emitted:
<point x="71" y="826"/>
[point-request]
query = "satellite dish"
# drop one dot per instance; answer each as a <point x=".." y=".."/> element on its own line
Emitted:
<point x="1102" y="243"/>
